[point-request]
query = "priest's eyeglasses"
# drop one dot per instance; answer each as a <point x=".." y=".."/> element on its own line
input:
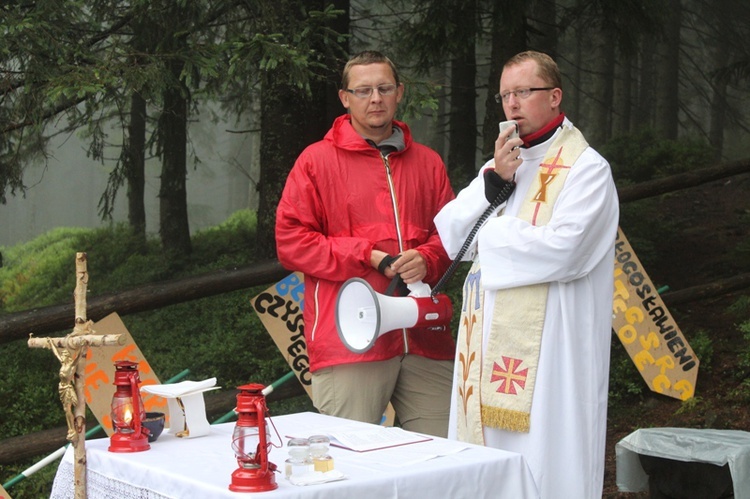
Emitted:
<point x="364" y="92"/>
<point x="519" y="93"/>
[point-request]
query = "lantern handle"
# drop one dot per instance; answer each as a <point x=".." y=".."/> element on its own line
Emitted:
<point x="136" y="403"/>
<point x="281" y="443"/>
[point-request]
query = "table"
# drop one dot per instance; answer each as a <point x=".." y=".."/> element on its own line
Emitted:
<point x="202" y="467"/>
<point x="717" y="447"/>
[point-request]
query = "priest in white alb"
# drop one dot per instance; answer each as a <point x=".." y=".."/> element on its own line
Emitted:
<point x="532" y="361"/>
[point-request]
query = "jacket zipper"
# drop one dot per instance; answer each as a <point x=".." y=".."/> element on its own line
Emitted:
<point x="317" y="313"/>
<point x="388" y="176"/>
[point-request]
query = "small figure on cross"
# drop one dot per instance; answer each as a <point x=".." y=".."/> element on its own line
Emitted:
<point x="67" y="387"/>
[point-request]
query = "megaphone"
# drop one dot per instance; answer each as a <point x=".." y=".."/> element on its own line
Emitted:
<point x="362" y="314"/>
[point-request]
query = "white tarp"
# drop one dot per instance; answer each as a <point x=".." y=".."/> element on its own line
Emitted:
<point x="717" y="447"/>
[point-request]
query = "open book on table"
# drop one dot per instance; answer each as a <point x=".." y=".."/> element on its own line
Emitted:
<point x="363" y="438"/>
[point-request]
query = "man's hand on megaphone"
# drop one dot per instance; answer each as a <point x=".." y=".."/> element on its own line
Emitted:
<point x="410" y="266"/>
<point x="382" y="261"/>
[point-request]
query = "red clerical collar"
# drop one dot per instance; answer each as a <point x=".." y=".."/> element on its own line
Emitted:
<point x="543" y="133"/>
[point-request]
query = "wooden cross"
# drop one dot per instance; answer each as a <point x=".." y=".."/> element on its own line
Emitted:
<point x="71" y="352"/>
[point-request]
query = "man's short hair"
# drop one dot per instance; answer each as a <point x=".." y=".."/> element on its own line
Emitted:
<point x="546" y="66"/>
<point x="363" y="59"/>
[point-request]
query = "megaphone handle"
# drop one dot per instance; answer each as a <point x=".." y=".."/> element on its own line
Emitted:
<point x="386" y="262"/>
<point x="397" y="284"/>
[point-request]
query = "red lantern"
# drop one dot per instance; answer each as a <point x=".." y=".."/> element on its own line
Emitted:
<point x="127" y="411"/>
<point x="250" y="443"/>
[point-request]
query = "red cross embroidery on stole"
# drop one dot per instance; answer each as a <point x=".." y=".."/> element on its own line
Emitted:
<point x="510" y="376"/>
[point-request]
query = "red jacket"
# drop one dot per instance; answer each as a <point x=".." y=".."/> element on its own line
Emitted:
<point x="337" y="206"/>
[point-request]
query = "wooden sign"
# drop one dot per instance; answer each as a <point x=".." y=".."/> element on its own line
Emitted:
<point x="280" y="310"/>
<point x="648" y="332"/>
<point x="100" y="373"/>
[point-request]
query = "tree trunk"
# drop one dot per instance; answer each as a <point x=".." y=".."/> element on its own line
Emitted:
<point x="135" y="165"/>
<point x="667" y="90"/>
<point x="718" y="106"/>
<point x="644" y="114"/>
<point x="336" y="66"/>
<point x="290" y="121"/>
<point x="598" y="131"/>
<point x="623" y="97"/>
<point x="463" y="117"/>
<point x="508" y="39"/>
<point x="173" y="216"/>
<point x="572" y="96"/>
<point x="543" y="23"/>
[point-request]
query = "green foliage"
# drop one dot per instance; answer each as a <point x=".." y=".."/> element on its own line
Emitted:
<point x="42" y="272"/>
<point x="235" y="235"/>
<point x="34" y="487"/>
<point x="435" y="32"/>
<point x="290" y="42"/>
<point x="218" y="336"/>
<point x="693" y="405"/>
<point x="32" y="273"/>
<point x="75" y="64"/>
<point x="740" y="394"/>
<point x="212" y="336"/>
<point x="625" y="382"/>
<point x="29" y="384"/>
<point x="741" y="309"/>
<point x="741" y="306"/>
<point x="222" y="337"/>
<point x="454" y="290"/>
<point x="643" y="156"/>
<point x="636" y="220"/>
<point x="742" y="251"/>
<point x="703" y="346"/>
<point x="420" y="99"/>
<point x="744" y="328"/>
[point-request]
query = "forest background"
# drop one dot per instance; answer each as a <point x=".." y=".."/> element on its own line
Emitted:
<point x="660" y="88"/>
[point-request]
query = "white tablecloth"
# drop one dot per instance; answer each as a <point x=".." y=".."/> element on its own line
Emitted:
<point x="202" y="467"/>
<point x="717" y="447"/>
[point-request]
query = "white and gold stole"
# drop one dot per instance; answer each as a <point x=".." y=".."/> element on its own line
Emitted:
<point x="496" y="389"/>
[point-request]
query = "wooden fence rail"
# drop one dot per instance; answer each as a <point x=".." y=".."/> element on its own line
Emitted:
<point x="45" y="320"/>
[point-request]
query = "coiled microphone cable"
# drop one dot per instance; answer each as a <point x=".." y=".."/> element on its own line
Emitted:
<point x="505" y="192"/>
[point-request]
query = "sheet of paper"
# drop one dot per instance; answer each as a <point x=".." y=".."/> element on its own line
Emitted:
<point x="396" y="457"/>
<point x="363" y="439"/>
<point x="182" y="388"/>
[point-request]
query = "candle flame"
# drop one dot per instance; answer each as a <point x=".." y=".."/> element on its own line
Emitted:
<point x="128" y="416"/>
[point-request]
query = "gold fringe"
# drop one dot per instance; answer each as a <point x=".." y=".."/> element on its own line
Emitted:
<point x="506" y="419"/>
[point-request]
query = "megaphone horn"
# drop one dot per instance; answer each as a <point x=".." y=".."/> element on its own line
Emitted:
<point x="362" y="314"/>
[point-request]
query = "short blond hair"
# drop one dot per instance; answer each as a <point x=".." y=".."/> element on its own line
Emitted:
<point x="363" y="59"/>
<point x="546" y="66"/>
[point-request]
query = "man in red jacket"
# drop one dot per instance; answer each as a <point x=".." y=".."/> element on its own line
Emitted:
<point x="354" y="201"/>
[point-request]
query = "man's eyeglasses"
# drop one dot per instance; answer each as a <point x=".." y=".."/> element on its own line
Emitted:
<point x="519" y="93"/>
<point x="365" y="92"/>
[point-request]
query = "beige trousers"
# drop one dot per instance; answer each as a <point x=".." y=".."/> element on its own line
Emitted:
<point x="419" y="389"/>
